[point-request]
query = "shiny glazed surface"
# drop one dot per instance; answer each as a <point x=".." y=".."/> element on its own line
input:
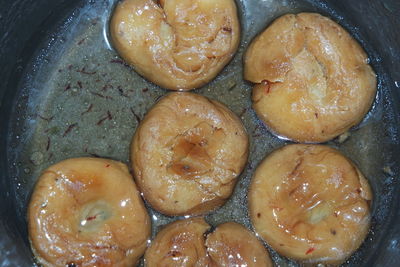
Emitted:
<point x="32" y="85"/>
<point x="180" y="243"/>
<point x="231" y="244"/>
<point x="174" y="43"/>
<point x="186" y="243"/>
<point x="310" y="203"/>
<point x="87" y="212"/>
<point x="187" y="153"/>
<point x="312" y="79"/>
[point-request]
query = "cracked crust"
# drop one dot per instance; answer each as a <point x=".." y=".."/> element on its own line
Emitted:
<point x="310" y="203"/>
<point x="174" y="43"/>
<point x="187" y="153"/>
<point x="312" y="79"/>
<point x="87" y="212"/>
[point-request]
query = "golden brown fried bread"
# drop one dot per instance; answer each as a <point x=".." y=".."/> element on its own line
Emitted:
<point x="177" y="44"/>
<point x="87" y="212"/>
<point x="310" y="203"/>
<point x="312" y="79"/>
<point x="231" y="244"/>
<point x="187" y="153"/>
<point x="180" y="243"/>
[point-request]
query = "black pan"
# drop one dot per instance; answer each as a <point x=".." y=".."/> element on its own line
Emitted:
<point x="64" y="92"/>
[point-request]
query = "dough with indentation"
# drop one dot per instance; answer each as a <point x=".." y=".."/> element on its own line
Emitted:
<point x="312" y="79"/>
<point x="187" y="153"/>
<point x="177" y="44"/>
<point x="310" y="203"/>
<point x="87" y="212"/>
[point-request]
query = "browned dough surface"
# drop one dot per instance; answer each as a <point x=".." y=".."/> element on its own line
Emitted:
<point x="87" y="212"/>
<point x="310" y="203"/>
<point x="187" y="153"/>
<point x="177" y="44"/>
<point x="312" y="79"/>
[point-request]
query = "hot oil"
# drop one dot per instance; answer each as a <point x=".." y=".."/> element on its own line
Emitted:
<point x="78" y="98"/>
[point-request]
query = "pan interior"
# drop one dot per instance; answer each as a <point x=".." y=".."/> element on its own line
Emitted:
<point x="77" y="98"/>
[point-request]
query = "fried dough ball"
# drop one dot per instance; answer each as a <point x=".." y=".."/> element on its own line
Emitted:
<point x="87" y="212"/>
<point x="231" y="244"/>
<point x="176" y="44"/>
<point x="310" y="203"/>
<point x="187" y="153"/>
<point x="180" y="243"/>
<point x="312" y="79"/>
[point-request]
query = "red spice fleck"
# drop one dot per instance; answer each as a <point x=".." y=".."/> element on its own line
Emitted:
<point x="69" y="129"/>
<point x="106" y="86"/>
<point x="310" y="250"/>
<point x="108" y="165"/>
<point x="67" y="87"/>
<point x="48" y="144"/>
<point x="83" y="71"/>
<point x="91" y="218"/>
<point x="108" y="117"/>
<point x="358" y="190"/>
<point x="119" y="61"/>
<point x="144" y="90"/>
<point x="157" y="98"/>
<point x="136" y="116"/>
<point x="88" y="110"/>
<point x="227" y="29"/>
<point x="267" y="86"/>
<point x="100" y="95"/>
<point x="121" y="92"/>
<point x="81" y="41"/>
<point x="46" y="119"/>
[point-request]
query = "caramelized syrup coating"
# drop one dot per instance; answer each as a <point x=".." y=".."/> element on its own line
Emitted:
<point x="180" y="243"/>
<point x="312" y="79"/>
<point x="87" y="212"/>
<point x="310" y="203"/>
<point x="187" y="153"/>
<point x="177" y="44"/>
<point x="231" y="244"/>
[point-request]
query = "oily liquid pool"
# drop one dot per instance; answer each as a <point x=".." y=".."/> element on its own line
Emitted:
<point x="78" y="98"/>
